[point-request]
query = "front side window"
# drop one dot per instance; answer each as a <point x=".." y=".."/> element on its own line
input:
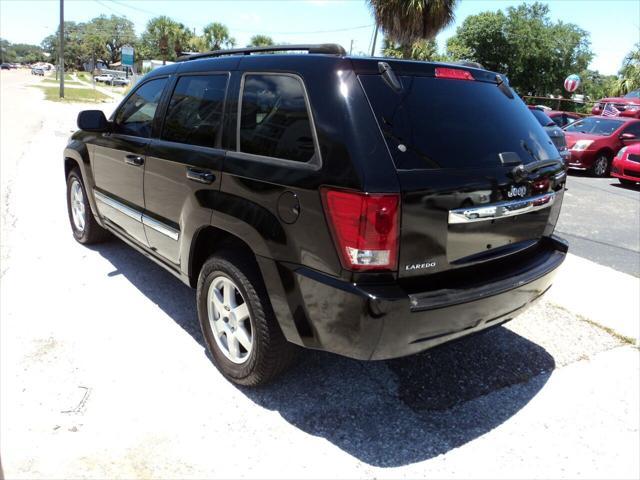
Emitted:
<point x="274" y="120"/>
<point x="194" y="115"/>
<point x="135" y="117"/>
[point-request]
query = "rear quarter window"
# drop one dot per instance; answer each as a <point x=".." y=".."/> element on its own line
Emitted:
<point x="274" y="118"/>
<point x="443" y="123"/>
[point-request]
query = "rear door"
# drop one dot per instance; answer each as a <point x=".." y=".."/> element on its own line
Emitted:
<point x="119" y="158"/>
<point x="183" y="165"/>
<point x="480" y="178"/>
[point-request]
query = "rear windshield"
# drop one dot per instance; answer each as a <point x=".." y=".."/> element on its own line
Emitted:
<point x="542" y="118"/>
<point x="442" y="123"/>
<point x="595" y="126"/>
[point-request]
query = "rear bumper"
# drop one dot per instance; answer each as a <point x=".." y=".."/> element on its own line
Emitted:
<point x="374" y="322"/>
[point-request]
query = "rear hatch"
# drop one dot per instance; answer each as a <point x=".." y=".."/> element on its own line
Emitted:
<point x="480" y="178"/>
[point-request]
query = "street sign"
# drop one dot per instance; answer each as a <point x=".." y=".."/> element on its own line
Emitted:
<point x="127" y="56"/>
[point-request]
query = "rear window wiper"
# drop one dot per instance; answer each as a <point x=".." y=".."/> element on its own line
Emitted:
<point x="389" y="77"/>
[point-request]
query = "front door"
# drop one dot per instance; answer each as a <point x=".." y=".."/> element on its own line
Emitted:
<point x="119" y="160"/>
<point x="183" y="165"/>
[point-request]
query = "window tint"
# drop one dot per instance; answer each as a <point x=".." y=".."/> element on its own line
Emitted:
<point x="135" y="117"/>
<point x="194" y="115"/>
<point x="559" y="120"/>
<point x="440" y="123"/>
<point x="274" y="120"/>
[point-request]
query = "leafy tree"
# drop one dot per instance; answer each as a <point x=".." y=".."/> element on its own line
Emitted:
<point x="115" y="32"/>
<point x="75" y="50"/>
<point x="425" y="50"/>
<point x="217" y="36"/>
<point x="629" y="75"/>
<point x="261" y="41"/>
<point x="405" y="21"/>
<point x="535" y="53"/>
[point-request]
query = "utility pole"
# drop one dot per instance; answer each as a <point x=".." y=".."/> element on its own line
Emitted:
<point x="375" y="39"/>
<point x="351" y="47"/>
<point x="61" y="49"/>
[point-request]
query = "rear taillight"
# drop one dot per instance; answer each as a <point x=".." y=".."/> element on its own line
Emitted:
<point x="455" y="73"/>
<point x="365" y="228"/>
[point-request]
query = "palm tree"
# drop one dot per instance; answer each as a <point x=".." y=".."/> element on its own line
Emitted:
<point x="217" y="36"/>
<point x="629" y="75"/>
<point x="161" y="30"/>
<point x="405" y="21"/>
<point x="181" y="38"/>
<point x="261" y="41"/>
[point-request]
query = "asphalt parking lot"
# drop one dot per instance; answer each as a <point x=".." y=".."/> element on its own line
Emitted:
<point x="601" y="220"/>
<point x="104" y="373"/>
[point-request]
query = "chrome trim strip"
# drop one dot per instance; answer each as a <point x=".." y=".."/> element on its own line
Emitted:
<point x="502" y="209"/>
<point x="121" y="207"/>
<point x="160" y="227"/>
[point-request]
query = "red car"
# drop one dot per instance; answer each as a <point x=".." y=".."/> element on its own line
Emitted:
<point x="593" y="141"/>
<point x="627" y="106"/>
<point x="562" y="119"/>
<point x="626" y="165"/>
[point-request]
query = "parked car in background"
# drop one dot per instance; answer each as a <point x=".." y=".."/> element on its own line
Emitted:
<point x="626" y="165"/>
<point x="105" y="77"/>
<point x="277" y="185"/>
<point x="119" y="81"/>
<point x="627" y="106"/>
<point x="562" y="119"/>
<point x="5" y="66"/>
<point x="554" y="131"/>
<point x="37" y="71"/>
<point x="594" y="141"/>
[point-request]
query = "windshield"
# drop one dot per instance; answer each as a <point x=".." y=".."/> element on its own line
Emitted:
<point x="595" y="126"/>
<point x="542" y="117"/>
<point x="633" y="94"/>
<point x="442" y="123"/>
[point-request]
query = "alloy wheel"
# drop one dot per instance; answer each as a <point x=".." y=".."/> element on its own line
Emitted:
<point x="230" y="319"/>
<point x="78" y="212"/>
<point x="601" y="165"/>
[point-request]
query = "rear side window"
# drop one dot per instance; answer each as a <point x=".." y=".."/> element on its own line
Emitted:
<point x="274" y="119"/>
<point x="194" y="115"/>
<point x="135" y="116"/>
<point x="435" y="123"/>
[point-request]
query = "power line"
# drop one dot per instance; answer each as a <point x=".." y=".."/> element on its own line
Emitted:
<point x="346" y="29"/>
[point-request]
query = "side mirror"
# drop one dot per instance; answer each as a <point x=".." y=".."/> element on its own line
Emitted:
<point x="93" y="121"/>
<point x="627" y="136"/>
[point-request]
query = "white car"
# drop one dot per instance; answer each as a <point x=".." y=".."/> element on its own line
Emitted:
<point x="106" y="78"/>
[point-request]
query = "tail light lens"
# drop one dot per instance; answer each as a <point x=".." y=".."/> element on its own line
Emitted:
<point x="365" y="228"/>
<point x="454" y="73"/>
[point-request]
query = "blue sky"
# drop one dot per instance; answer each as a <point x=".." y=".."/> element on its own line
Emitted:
<point x="614" y="24"/>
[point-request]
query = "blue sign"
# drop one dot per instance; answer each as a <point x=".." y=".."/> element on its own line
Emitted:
<point x="127" y="56"/>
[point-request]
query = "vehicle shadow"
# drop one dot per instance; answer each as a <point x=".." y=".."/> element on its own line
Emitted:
<point x="386" y="413"/>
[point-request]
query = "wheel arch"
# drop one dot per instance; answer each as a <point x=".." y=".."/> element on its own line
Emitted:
<point x="209" y="240"/>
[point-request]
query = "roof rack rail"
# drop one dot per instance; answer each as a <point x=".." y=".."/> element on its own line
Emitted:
<point x="326" y="48"/>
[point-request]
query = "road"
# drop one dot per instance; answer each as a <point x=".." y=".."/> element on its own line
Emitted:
<point x="601" y="220"/>
<point x="104" y="372"/>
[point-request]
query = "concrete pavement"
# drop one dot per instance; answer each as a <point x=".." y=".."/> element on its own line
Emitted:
<point x="104" y="374"/>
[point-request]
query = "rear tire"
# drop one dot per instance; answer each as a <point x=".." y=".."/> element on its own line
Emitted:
<point x="601" y="166"/>
<point x="84" y="226"/>
<point x="248" y="347"/>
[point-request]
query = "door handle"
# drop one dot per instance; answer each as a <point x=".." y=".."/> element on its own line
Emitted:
<point x="201" y="176"/>
<point x="135" y="160"/>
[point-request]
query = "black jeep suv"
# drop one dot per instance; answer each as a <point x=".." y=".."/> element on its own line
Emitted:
<point x="369" y="207"/>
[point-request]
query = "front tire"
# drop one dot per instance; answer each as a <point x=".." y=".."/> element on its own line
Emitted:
<point x="627" y="183"/>
<point x="238" y="323"/>
<point x="84" y="226"/>
<point x="601" y="166"/>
